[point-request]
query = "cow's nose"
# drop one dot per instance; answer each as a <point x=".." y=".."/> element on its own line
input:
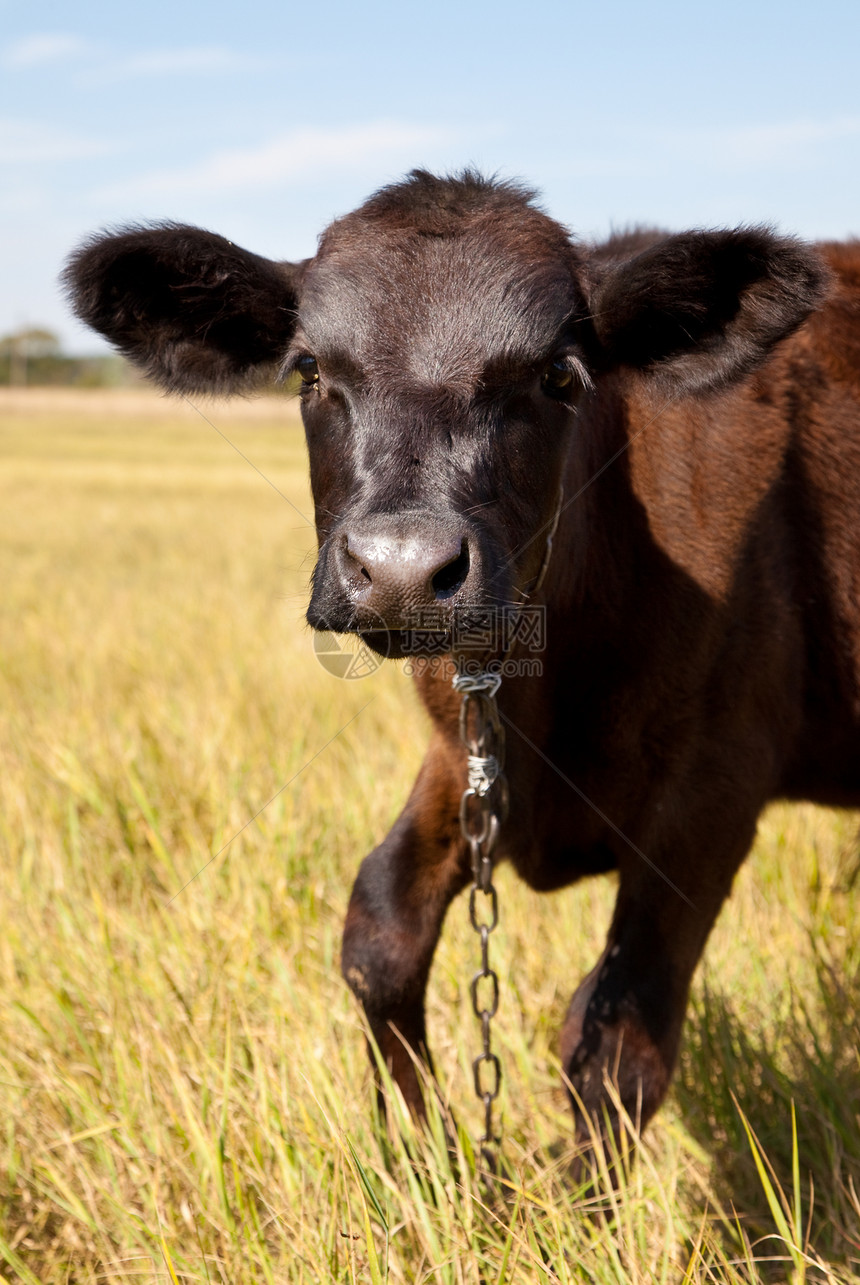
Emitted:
<point x="393" y="574"/>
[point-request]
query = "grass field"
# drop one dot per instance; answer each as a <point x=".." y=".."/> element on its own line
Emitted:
<point x="185" y="795"/>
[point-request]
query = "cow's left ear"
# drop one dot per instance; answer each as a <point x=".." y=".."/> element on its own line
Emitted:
<point x="196" y="312"/>
<point x="701" y="309"/>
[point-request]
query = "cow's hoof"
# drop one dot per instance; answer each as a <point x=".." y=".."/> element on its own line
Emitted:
<point x="615" y="1072"/>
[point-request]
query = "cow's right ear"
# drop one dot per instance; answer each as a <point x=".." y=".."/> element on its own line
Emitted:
<point x="193" y="310"/>
<point x="696" y="311"/>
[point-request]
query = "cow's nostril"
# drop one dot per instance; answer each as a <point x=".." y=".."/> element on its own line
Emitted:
<point x="452" y="576"/>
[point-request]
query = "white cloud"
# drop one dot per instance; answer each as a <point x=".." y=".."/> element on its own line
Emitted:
<point x="106" y="65"/>
<point x="41" y="49"/>
<point x="300" y="152"/>
<point x="193" y="60"/>
<point x="789" y="144"/>
<point x="761" y="143"/>
<point x="171" y="61"/>
<point x="28" y="142"/>
<point x="786" y="147"/>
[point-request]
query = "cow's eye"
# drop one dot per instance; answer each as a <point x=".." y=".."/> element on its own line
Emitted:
<point x="309" y="371"/>
<point x="556" y="380"/>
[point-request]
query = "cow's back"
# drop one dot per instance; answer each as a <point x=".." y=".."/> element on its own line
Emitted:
<point x="751" y="504"/>
<point x="817" y="377"/>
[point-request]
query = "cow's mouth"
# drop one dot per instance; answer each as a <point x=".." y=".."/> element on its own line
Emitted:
<point x="336" y="636"/>
<point x="401" y="644"/>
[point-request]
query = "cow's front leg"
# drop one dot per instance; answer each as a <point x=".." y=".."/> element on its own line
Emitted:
<point x="398" y="903"/>
<point x="624" y="1022"/>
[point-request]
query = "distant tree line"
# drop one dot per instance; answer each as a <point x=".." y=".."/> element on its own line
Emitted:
<point x="33" y="357"/>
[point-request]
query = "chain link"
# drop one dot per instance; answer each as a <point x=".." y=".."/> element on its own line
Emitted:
<point x="483" y="808"/>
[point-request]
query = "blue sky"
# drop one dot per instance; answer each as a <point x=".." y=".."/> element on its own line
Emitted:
<point x="263" y="121"/>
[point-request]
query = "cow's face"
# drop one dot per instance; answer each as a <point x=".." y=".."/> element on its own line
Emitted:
<point x="445" y="336"/>
<point x="439" y="379"/>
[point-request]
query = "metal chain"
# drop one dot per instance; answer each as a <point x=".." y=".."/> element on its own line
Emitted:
<point x="483" y="808"/>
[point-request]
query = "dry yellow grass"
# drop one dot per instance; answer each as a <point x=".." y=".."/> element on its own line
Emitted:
<point x="182" y="1073"/>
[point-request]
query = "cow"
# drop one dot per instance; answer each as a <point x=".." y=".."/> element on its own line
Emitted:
<point x="656" y="440"/>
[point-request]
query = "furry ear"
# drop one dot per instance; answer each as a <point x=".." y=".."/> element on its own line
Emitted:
<point x="195" y="312"/>
<point x="701" y="309"/>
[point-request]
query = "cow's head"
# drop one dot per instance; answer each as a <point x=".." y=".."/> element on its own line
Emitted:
<point x="445" y="335"/>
